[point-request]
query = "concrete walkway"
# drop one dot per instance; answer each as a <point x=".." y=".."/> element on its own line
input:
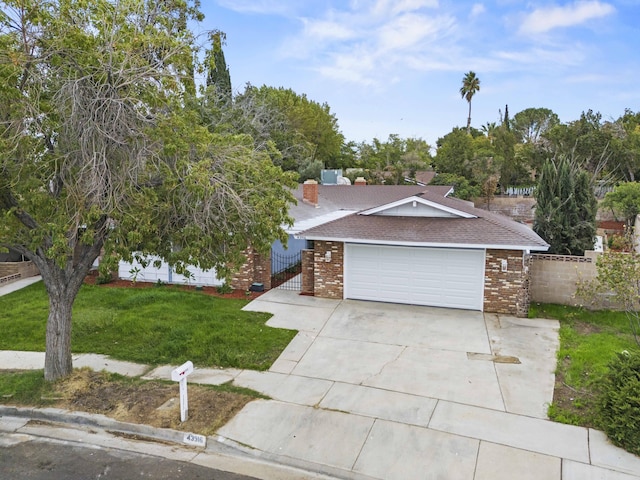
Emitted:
<point x="369" y="390"/>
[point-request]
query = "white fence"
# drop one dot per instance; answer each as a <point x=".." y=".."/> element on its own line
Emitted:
<point x="165" y="274"/>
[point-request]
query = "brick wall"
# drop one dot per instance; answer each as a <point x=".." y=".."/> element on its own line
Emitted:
<point x="507" y="291"/>
<point x="328" y="276"/>
<point x="262" y="270"/>
<point x="554" y="277"/>
<point x="307" y="287"/>
<point x="256" y="269"/>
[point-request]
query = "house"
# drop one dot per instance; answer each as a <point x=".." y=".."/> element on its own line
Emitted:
<point x="397" y="243"/>
<point x="413" y="245"/>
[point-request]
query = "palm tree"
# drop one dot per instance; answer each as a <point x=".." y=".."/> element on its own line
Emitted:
<point x="470" y="85"/>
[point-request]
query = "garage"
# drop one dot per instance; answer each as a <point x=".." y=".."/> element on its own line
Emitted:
<point x="440" y="277"/>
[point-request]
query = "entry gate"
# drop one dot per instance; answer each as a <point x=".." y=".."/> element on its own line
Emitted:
<point x="286" y="270"/>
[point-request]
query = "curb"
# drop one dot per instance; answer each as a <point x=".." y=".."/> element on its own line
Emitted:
<point x="216" y="444"/>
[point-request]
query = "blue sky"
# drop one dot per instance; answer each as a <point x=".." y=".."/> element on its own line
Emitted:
<point x="396" y="66"/>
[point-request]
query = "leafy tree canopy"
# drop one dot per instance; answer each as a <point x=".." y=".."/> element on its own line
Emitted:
<point x="103" y="145"/>
<point x="624" y="200"/>
<point x="531" y="124"/>
<point x="461" y="187"/>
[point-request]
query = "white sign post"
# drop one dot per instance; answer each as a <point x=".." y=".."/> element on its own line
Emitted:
<point x="180" y="374"/>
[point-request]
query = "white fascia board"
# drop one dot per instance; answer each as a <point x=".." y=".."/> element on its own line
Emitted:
<point x="317" y="221"/>
<point x="421" y="200"/>
<point x="471" y="246"/>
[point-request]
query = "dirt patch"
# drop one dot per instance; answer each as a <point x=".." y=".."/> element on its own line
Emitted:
<point x="213" y="291"/>
<point x="586" y="328"/>
<point x="147" y="403"/>
<point x="571" y="404"/>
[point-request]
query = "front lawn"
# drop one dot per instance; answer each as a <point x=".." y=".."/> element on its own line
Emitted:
<point x="589" y="341"/>
<point x="157" y="325"/>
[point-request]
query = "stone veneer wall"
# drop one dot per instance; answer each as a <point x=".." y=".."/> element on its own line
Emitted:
<point x="506" y="292"/>
<point x="256" y="269"/>
<point x="328" y="276"/>
<point x="307" y="287"/>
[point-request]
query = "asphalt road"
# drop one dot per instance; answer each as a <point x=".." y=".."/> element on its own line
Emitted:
<point x="40" y="459"/>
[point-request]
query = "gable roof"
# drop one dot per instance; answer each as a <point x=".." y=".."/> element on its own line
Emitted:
<point x="417" y="206"/>
<point x="335" y="201"/>
<point x="481" y="229"/>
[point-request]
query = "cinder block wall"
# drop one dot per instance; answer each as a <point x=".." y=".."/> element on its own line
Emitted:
<point x="507" y="291"/>
<point x="25" y="269"/>
<point x="554" y="278"/>
<point x="328" y="276"/>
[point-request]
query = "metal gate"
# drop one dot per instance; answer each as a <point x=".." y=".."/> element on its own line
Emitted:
<point x="286" y="270"/>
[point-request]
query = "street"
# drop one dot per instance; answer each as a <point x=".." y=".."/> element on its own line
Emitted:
<point x="44" y="459"/>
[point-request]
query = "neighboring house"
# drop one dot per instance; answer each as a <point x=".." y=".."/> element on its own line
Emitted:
<point x="413" y="245"/>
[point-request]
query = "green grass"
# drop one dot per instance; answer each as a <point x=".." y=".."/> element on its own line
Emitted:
<point x="589" y="340"/>
<point x="164" y="325"/>
<point x="24" y="388"/>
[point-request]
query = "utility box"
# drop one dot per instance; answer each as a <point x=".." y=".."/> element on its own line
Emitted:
<point x="330" y="177"/>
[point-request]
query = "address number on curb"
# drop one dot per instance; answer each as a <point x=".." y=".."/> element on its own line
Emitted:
<point x="195" y="439"/>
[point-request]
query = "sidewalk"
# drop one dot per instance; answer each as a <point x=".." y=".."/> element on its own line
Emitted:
<point x="356" y="431"/>
<point x="383" y="437"/>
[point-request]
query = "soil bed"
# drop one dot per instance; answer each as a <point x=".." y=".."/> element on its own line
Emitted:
<point x="146" y="402"/>
<point x="213" y="291"/>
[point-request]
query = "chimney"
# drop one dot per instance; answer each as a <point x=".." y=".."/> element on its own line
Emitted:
<point x="310" y="192"/>
<point x="360" y="181"/>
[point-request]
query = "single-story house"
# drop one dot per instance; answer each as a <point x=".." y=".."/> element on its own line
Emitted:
<point x="398" y="243"/>
<point x="413" y="245"/>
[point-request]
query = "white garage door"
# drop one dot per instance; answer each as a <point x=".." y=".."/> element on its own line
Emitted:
<point x="440" y="277"/>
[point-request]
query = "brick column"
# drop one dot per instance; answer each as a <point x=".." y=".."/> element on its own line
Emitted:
<point x="507" y="291"/>
<point x="243" y="277"/>
<point x="307" y="287"/>
<point x="328" y="275"/>
<point x="262" y="270"/>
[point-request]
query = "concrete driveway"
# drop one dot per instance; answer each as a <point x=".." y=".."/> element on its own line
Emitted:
<point x="375" y="390"/>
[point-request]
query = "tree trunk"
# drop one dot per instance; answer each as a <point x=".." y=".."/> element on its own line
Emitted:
<point x="63" y="285"/>
<point x="469" y="120"/>
<point x="57" y="360"/>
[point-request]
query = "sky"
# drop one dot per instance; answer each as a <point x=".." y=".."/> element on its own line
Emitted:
<point x="396" y="66"/>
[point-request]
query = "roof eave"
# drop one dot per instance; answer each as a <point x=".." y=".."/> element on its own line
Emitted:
<point x="474" y="246"/>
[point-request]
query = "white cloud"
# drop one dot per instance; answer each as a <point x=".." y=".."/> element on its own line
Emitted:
<point x="544" y="19"/>
<point x="364" y="43"/>
<point x="407" y="31"/>
<point x="477" y="9"/>
<point x="401" y="6"/>
<point x="544" y="57"/>
<point x="327" y="30"/>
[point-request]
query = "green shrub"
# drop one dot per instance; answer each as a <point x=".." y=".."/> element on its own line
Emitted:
<point x="619" y="403"/>
<point x="104" y="278"/>
<point x="224" y="288"/>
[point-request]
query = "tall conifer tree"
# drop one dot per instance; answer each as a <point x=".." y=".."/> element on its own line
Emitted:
<point x="566" y="208"/>
<point x="218" y="74"/>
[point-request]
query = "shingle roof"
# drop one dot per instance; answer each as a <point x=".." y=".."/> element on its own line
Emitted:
<point x="332" y="198"/>
<point x="486" y="230"/>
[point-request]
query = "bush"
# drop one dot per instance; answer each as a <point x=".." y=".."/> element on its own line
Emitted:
<point x="619" y="404"/>
<point x="224" y="288"/>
